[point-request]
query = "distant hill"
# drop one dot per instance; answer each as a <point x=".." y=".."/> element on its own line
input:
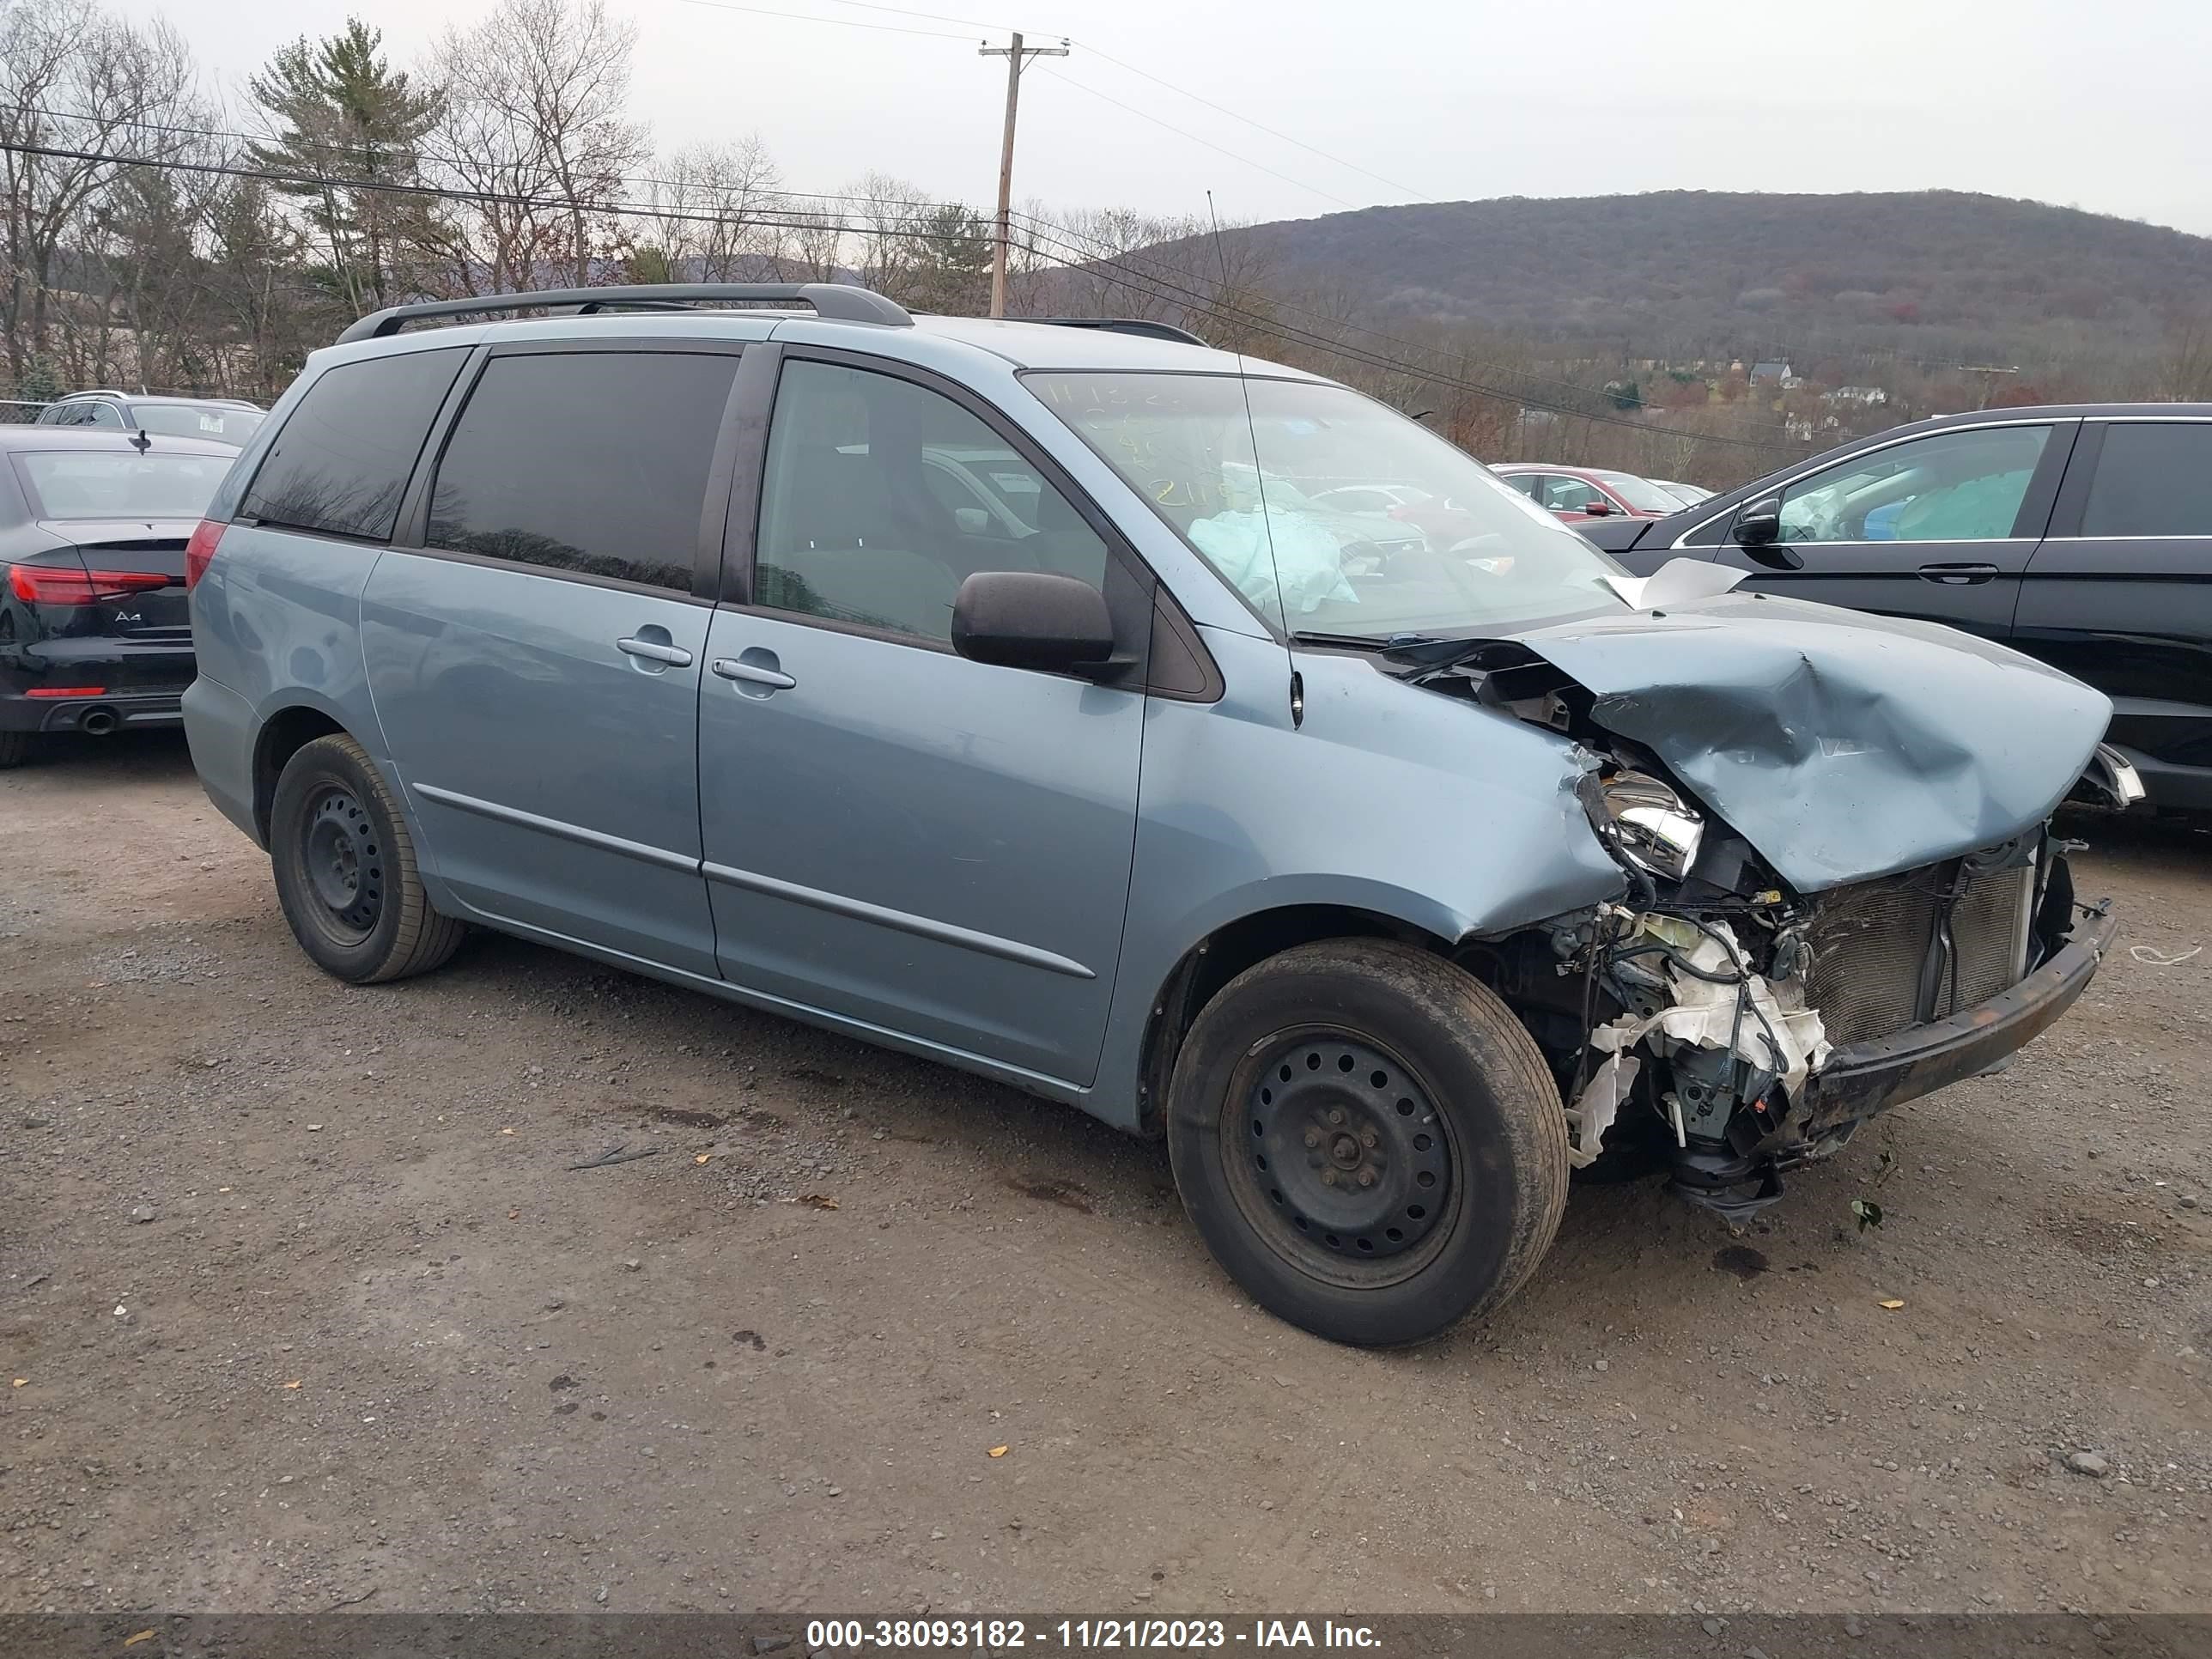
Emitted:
<point x="1935" y="274"/>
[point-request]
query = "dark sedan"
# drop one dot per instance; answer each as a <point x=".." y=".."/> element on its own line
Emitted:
<point x="2081" y="535"/>
<point x="93" y="526"/>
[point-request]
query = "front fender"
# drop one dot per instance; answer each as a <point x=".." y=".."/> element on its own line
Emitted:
<point x="1424" y="809"/>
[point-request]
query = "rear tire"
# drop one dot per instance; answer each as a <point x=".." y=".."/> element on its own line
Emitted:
<point x="16" y="747"/>
<point x="1368" y="1141"/>
<point x="345" y="869"/>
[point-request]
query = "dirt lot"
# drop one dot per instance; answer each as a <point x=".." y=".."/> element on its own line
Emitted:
<point x="310" y="1308"/>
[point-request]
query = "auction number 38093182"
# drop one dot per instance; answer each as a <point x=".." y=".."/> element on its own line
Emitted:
<point x="1008" y="1635"/>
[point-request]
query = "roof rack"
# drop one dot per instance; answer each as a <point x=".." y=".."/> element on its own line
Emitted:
<point x="833" y="301"/>
<point x="1124" y="325"/>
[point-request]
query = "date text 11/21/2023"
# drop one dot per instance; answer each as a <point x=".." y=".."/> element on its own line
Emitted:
<point x="1014" y="1635"/>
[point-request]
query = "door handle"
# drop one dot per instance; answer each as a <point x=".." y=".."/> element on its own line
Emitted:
<point x="1958" y="575"/>
<point x="750" y="673"/>
<point x="652" y="650"/>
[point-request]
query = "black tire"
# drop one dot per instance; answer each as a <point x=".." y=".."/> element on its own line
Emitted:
<point x="16" y="747"/>
<point x="345" y="869"/>
<point x="1441" y="1097"/>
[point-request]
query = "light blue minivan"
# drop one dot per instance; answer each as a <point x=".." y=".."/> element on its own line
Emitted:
<point x="1180" y="736"/>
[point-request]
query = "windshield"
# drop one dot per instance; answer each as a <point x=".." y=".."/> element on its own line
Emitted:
<point x="1329" y="513"/>
<point x="1641" y="494"/>
<point x="223" y="426"/>
<point x="105" y="483"/>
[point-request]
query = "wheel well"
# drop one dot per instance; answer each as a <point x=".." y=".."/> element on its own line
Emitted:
<point x="284" y="735"/>
<point x="1228" y="951"/>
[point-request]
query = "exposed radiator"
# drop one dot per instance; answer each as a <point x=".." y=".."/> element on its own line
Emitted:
<point x="1870" y="940"/>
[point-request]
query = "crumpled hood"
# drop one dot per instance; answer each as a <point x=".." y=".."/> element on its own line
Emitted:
<point x="1842" y="746"/>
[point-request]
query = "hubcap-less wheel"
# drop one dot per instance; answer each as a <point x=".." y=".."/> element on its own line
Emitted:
<point x="345" y="864"/>
<point x="1340" y="1158"/>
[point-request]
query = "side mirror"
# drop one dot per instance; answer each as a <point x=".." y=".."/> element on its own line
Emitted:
<point x="1757" y="532"/>
<point x="1597" y="507"/>
<point x="1758" y="525"/>
<point x="1031" y="619"/>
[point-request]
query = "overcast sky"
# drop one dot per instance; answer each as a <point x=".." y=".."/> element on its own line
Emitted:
<point x="2099" y="106"/>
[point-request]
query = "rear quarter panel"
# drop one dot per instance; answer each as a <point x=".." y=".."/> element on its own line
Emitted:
<point x="276" y="625"/>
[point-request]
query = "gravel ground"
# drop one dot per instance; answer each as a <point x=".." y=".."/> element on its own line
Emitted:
<point x="304" y="1304"/>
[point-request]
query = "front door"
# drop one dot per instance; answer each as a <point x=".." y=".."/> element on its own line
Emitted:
<point x="895" y="835"/>
<point x="536" y="663"/>
<point x="1938" y="527"/>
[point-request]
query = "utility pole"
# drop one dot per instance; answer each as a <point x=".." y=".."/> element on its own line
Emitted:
<point x="1988" y="372"/>
<point x="1016" y="55"/>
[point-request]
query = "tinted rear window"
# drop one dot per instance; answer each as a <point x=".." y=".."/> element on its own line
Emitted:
<point x="2152" y="481"/>
<point x="342" y="460"/>
<point x="101" y="484"/>
<point x="223" y="426"/>
<point x="591" y="461"/>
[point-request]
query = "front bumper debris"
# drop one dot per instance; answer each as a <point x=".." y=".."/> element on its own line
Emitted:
<point x="1858" y="1081"/>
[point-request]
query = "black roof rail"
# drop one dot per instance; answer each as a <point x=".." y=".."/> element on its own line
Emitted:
<point x="1123" y="325"/>
<point x="833" y="301"/>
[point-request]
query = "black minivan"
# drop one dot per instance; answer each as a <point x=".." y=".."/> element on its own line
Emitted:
<point x="2080" y="534"/>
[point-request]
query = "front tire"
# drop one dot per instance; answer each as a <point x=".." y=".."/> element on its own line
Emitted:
<point x="1368" y="1141"/>
<point x="345" y="869"/>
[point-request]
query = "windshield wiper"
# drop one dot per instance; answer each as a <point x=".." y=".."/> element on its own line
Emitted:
<point x="1365" y="641"/>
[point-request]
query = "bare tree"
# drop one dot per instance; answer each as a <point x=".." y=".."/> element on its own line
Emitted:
<point x="252" y="278"/>
<point x="705" y="206"/>
<point x="885" y="214"/>
<point x="2185" y="373"/>
<point x="812" y="246"/>
<point x="536" y="134"/>
<point x="77" y="87"/>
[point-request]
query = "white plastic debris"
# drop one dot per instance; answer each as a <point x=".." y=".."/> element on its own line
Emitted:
<point x="1597" y="1106"/>
<point x="1787" y="1039"/>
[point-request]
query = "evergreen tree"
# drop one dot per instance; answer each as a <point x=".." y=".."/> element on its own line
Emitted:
<point x="950" y="268"/>
<point x="343" y="118"/>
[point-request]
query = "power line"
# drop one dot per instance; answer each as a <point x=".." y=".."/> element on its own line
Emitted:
<point x="444" y="192"/>
<point x="413" y="154"/>
<point x="1097" y="52"/>
<point x="837" y="22"/>
<point x="1268" y="328"/>
<point x="1259" y="322"/>
<point x="932" y="16"/>
<point x="1280" y="304"/>
<point x="1193" y="138"/>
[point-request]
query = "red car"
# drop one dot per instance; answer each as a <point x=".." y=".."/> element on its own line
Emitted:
<point x="1580" y="493"/>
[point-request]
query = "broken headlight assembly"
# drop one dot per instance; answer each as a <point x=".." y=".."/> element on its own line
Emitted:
<point x="1646" y="822"/>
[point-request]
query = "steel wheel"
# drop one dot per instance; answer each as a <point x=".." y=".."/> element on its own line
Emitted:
<point x="345" y="864"/>
<point x="1367" y="1138"/>
<point x="1344" y="1166"/>
<point x="345" y="868"/>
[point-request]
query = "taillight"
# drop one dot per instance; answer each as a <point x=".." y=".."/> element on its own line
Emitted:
<point x="39" y="584"/>
<point x="199" y="552"/>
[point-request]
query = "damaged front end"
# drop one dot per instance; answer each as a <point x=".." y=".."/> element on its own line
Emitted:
<point x="1734" y="1036"/>
<point x="1775" y="975"/>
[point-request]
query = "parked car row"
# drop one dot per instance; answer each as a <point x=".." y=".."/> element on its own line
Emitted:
<point x="808" y="661"/>
<point x="99" y="495"/>
<point x="2081" y="535"/>
<point x="1578" y="494"/>
<point x="227" y="421"/>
